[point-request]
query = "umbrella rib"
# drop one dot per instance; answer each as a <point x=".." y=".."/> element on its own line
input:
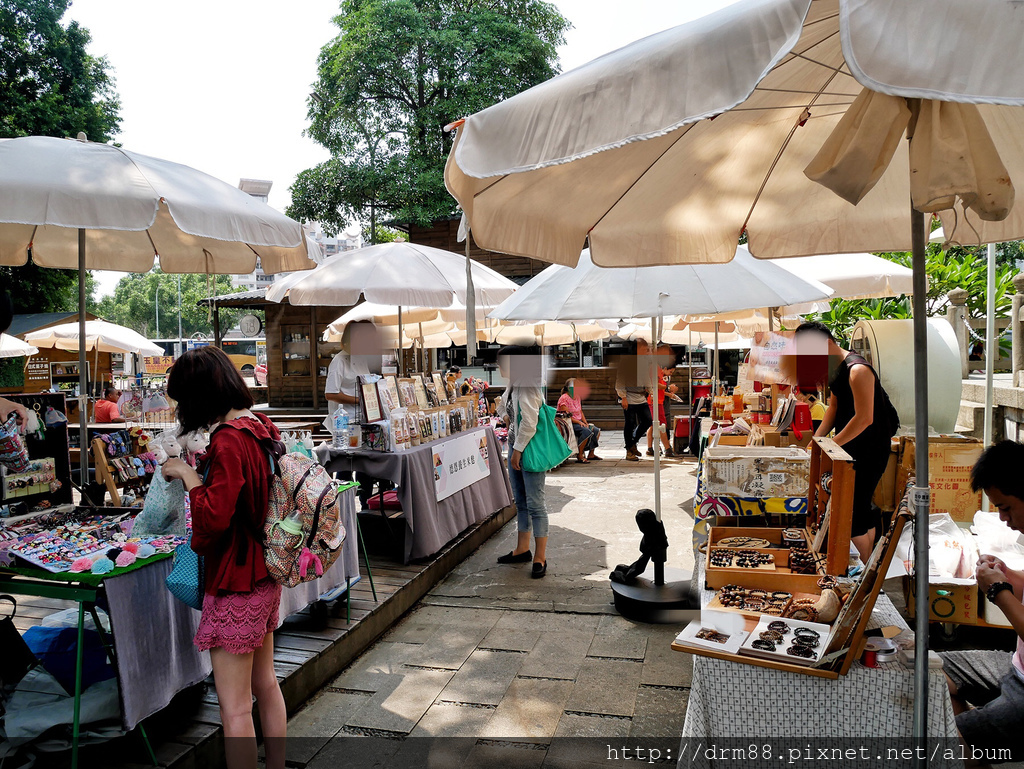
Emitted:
<point x="682" y="133"/>
<point x="791" y="106"/>
<point x="778" y="156"/>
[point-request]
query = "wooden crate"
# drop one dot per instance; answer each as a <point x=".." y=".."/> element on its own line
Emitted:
<point x="781" y="578"/>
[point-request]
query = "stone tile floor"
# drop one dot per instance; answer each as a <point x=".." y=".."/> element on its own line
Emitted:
<point x="512" y="662"/>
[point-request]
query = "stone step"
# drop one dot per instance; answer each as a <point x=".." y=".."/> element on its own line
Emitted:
<point x="971" y="419"/>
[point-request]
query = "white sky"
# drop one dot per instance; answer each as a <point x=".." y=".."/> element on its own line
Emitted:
<point x="221" y="85"/>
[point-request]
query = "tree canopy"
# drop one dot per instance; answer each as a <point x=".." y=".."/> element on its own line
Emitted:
<point x="397" y="73"/>
<point x="50" y="86"/>
<point x="134" y="304"/>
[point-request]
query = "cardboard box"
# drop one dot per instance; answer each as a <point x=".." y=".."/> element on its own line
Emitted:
<point x="732" y="440"/>
<point x="950" y="459"/>
<point x="956" y="604"/>
<point x="757" y="471"/>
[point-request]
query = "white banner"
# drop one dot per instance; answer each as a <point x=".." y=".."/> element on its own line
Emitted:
<point x="460" y="462"/>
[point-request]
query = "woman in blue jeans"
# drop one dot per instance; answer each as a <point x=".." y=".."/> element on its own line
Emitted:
<point x="520" y="406"/>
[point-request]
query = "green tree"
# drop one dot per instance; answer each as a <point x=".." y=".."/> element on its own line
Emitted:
<point x="50" y="86"/>
<point x="134" y="303"/>
<point x="397" y="73"/>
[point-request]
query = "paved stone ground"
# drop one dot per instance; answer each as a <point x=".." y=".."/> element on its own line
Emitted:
<point x="492" y="654"/>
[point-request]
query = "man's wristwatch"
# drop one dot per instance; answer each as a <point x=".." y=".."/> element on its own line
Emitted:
<point x="996" y="589"/>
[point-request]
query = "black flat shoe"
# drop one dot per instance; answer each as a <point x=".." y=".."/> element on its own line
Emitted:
<point x="539" y="570"/>
<point x="511" y="557"/>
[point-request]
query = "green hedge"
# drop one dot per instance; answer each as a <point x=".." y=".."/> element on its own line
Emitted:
<point x="12" y="372"/>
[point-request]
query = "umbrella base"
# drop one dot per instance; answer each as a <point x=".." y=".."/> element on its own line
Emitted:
<point x="665" y="604"/>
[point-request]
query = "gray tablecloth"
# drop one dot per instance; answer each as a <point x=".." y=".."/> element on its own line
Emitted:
<point x="430" y="524"/>
<point x="153" y="630"/>
<point x="153" y="634"/>
<point x="731" y="702"/>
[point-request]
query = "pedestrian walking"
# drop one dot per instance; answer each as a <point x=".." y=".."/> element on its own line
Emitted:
<point x="229" y="503"/>
<point x="632" y="385"/>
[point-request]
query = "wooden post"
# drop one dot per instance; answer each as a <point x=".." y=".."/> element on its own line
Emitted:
<point x="314" y="370"/>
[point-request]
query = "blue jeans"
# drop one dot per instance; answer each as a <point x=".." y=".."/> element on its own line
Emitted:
<point x="583" y="433"/>
<point x="528" y="491"/>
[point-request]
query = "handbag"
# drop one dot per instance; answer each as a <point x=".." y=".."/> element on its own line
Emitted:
<point x="187" y="578"/>
<point x="163" y="512"/>
<point x="546" y="449"/>
<point x="17" y="658"/>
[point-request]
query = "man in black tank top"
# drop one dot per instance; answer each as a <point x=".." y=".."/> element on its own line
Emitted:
<point x="858" y="411"/>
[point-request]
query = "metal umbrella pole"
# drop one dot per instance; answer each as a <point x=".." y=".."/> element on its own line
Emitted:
<point x="83" y="399"/>
<point x="920" y="497"/>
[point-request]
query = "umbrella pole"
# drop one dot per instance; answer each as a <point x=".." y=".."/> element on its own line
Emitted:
<point x="991" y="346"/>
<point x="718" y="382"/>
<point x="920" y="497"/>
<point x="659" y="568"/>
<point x="470" y="304"/>
<point x="83" y="430"/>
<point x="401" y="352"/>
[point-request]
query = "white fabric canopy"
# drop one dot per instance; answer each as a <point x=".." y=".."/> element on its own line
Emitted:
<point x="133" y="207"/>
<point x="99" y="334"/>
<point x="756" y="90"/>
<point x="633" y="331"/>
<point x="12" y="347"/>
<point x="588" y="291"/>
<point x="397" y="273"/>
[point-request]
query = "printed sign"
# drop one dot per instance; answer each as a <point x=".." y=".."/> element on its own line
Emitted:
<point x="157" y="364"/>
<point x="460" y="462"/>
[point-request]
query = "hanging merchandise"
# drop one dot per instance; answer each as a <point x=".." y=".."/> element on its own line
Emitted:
<point x="13" y="454"/>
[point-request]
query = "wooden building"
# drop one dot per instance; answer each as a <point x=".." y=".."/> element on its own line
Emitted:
<point x="443" y="233"/>
<point x="297" y="358"/>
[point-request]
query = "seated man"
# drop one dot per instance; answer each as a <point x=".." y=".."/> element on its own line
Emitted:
<point x="993" y="681"/>
<point x="106" y="408"/>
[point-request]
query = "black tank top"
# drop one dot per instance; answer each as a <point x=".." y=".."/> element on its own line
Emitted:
<point x="875" y="437"/>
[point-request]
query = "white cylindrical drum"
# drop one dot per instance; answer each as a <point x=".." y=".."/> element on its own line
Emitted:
<point x="888" y="345"/>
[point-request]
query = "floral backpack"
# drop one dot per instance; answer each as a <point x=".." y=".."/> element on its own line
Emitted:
<point x="303" y="528"/>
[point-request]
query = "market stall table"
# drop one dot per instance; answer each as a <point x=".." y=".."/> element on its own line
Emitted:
<point x="732" y="704"/>
<point x="430" y="523"/>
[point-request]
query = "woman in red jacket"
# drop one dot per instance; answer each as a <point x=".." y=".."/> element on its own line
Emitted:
<point x="240" y="609"/>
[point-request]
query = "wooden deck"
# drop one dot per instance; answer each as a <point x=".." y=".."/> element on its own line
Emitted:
<point x="309" y="652"/>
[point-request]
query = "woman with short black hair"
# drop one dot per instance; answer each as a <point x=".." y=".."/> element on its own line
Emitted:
<point x="229" y="505"/>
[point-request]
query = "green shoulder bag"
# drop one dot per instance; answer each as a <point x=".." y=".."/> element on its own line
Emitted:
<point x="547" y="448"/>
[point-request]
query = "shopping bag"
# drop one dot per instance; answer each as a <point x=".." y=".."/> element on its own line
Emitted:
<point x="546" y="449"/>
<point x="13" y="453"/>
<point x="187" y="578"/>
<point x="163" y="512"/>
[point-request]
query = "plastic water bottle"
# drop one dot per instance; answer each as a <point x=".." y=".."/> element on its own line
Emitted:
<point x="341" y="429"/>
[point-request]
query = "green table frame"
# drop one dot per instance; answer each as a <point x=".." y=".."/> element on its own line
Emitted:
<point x="85" y="596"/>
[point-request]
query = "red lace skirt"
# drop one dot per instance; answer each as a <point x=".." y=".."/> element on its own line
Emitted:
<point x="238" y="622"/>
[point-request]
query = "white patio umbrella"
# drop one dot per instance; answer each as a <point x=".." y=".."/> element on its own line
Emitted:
<point x="100" y="336"/>
<point x="586" y="291"/>
<point x="12" y="347"/>
<point x="683" y="140"/>
<point x="589" y="291"/>
<point x="399" y="273"/>
<point x="77" y="204"/>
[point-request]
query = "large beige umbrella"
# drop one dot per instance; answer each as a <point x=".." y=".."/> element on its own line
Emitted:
<point x="77" y="204"/>
<point x="669" y="149"/>
<point x="100" y="336"/>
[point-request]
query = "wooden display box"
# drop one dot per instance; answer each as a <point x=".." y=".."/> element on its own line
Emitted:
<point x="849" y="626"/>
<point x="779" y="578"/>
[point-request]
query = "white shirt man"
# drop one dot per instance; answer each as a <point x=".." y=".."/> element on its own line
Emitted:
<point x="342" y="383"/>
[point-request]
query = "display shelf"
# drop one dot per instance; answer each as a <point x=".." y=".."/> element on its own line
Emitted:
<point x="107" y="474"/>
<point x="828" y="456"/>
